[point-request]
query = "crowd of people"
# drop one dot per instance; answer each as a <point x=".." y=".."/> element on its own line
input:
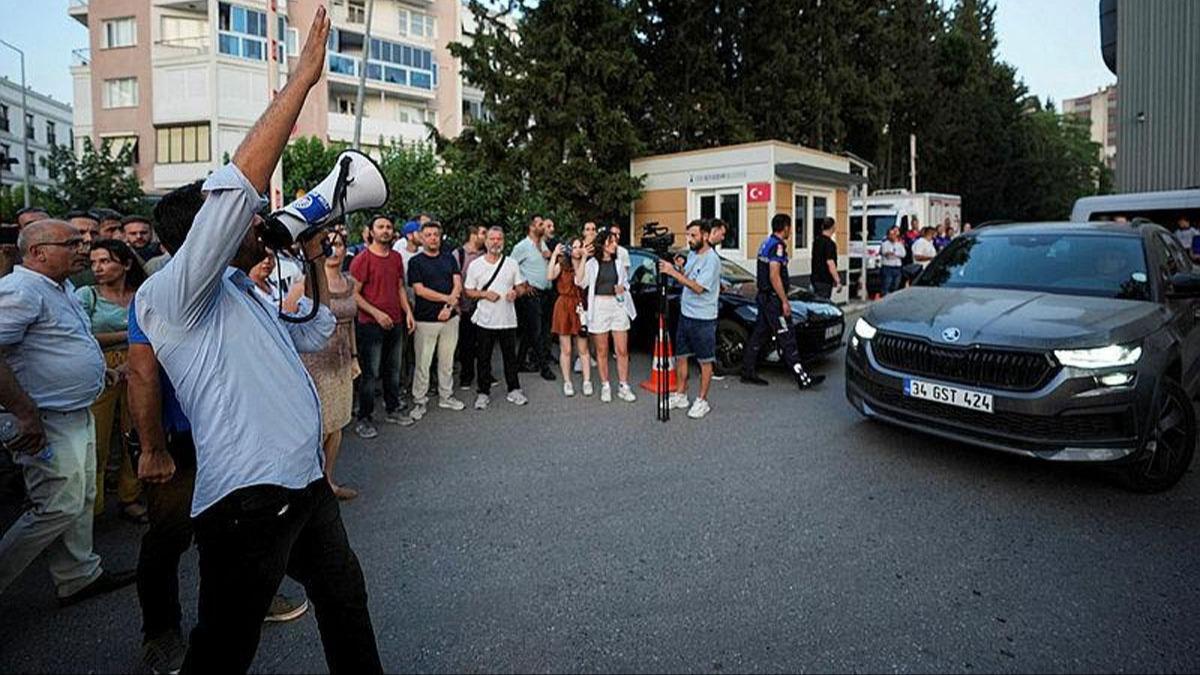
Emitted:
<point x="906" y="251"/>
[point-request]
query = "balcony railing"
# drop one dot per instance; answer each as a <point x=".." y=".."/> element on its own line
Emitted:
<point x="340" y="64"/>
<point x="198" y="45"/>
<point x="81" y="57"/>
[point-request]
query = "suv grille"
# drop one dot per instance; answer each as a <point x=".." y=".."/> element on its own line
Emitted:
<point x="978" y="366"/>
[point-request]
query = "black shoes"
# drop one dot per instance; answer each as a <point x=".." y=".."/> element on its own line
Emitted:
<point x="548" y="375"/>
<point x="751" y="378"/>
<point x="106" y="582"/>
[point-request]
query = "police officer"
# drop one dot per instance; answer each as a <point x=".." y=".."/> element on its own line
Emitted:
<point x="774" y="310"/>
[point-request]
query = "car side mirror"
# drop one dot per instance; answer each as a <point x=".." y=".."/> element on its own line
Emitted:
<point x="1184" y="285"/>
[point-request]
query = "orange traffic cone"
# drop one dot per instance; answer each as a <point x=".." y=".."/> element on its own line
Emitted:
<point x="662" y="344"/>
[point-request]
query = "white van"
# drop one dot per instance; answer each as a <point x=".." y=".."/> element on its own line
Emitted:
<point x="888" y="208"/>
<point x="1164" y="208"/>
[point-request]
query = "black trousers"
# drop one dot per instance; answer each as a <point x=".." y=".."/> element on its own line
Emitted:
<point x="822" y="289"/>
<point x="168" y="506"/>
<point x="467" y="348"/>
<point x="771" y="322"/>
<point x="487" y="338"/>
<point x="248" y="540"/>
<point x="379" y="358"/>
<point x="533" y="315"/>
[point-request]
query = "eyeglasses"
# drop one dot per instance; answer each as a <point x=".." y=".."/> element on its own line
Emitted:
<point x="77" y="243"/>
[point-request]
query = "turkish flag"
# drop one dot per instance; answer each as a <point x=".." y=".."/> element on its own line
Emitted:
<point x="758" y="192"/>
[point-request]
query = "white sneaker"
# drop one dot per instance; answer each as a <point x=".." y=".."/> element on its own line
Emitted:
<point x="482" y="401"/>
<point x="625" y="393"/>
<point x="568" y="389"/>
<point x="418" y="412"/>
<point x="587" y="388"/>
<point x="605" y="392"/>
<point x="516" y="397"/>
<point x="451" y="403"/>
<point x="699" y="409"/>
<point x="678" y="401"/>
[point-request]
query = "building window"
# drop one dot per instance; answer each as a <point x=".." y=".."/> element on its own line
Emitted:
<point x="356" y="12"/>
<point x="726" y="205"/>
<point x="178" y="31"/>
<point x="3" y="118"/>
<point x="183" y="144"/>
<point x="401" y="64"/>
<point x="51" y="137"/>
<point x="800" y="220"/>
<point x="31" y="163"/>
<point x="345" y="106"/>
<point x="5" y="153"/>
<point x="117" y="145"/>
<point x="417" y="25"/>
<point x="120" y="32"/>
<point x="29" y="130"/>
<point x="121" y="93"/>
<point x="242" y="32"/>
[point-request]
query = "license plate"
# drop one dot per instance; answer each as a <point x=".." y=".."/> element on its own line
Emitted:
<point x="832" y="332"/>
<point x="940" y="393"/>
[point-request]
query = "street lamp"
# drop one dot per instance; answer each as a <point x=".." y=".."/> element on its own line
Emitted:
<point x="24" y="116"/>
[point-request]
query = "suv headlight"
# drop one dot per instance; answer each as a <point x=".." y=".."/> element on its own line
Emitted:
<point x="1100" y="357"/>
<point x="863" y="329"/>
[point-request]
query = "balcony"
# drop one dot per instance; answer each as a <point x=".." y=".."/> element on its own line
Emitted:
<point x="81" y="57"/>
<point x="182" y="48"/>
<point x="78" y="10"/>
<point x="341" y="128"/>
<point x="346" y="69"/>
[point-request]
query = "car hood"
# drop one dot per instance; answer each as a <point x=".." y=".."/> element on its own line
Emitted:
<point x="801" y="300"/>
<point x="1015" y="318"/>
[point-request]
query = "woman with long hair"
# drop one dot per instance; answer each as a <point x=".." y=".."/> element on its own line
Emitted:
<point x="334" y="368"/>
<point x="118" y="275"/>
<point x="566" y="322"/>
<point x="610" y="310"/>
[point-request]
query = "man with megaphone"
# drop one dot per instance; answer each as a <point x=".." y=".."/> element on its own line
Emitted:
<point x="261" y="507"/>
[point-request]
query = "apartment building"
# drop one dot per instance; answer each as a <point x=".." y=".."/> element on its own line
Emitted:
<point x="1100" y="110"/>
<point x="184" y="80"/>
<point x="46" y="123"/>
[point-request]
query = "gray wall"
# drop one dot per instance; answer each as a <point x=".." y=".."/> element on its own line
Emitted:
<point x="1158" y="75"/>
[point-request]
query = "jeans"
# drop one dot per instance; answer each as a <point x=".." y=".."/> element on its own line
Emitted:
<point x="507" y="337"/>
<point x="889" y="279"/>
<point x="379" y="358"/>
<point x="169" y="536"/>
<point x="770" y="321"/>
<point x="431" y="336"/>
<point x="62" y="491"/>
<point x="248" y="540"/>
<point x="533" y="315"/>
<point x="467" y="347"/>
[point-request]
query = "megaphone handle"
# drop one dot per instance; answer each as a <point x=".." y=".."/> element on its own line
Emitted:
<point x="316" y="288"/>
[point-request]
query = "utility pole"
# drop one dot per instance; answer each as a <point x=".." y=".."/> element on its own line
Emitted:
<point x="24" y="116"/>
<point x="362" y="78"/>
<point x="912" y="163"/>
<point x="274" y="39"/>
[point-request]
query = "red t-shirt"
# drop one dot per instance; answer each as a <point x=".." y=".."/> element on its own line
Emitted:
<point x="380" y="278"/>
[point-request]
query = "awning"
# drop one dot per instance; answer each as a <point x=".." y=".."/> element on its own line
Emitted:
<point x="804" y="173"/>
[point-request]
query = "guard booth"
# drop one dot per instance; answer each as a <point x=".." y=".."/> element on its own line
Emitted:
<point x="745" y="185"/>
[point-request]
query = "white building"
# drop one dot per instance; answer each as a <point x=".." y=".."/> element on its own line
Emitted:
<point x="47" y="123"/>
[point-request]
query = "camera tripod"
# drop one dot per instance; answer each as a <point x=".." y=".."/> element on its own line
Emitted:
<point x="662" y="351"/>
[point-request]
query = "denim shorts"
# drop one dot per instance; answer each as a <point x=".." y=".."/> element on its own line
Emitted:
<point x="696" y="337"/>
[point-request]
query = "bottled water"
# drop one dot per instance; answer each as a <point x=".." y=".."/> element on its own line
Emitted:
<point x="8" y="431"/>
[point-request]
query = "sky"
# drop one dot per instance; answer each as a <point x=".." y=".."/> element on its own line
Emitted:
<point x="1054" y="45"/>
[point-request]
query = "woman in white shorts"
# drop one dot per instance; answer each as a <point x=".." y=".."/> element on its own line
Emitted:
<point x="609" y="311"/>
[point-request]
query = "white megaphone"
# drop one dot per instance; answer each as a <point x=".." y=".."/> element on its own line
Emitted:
<point x="356" y="183"/>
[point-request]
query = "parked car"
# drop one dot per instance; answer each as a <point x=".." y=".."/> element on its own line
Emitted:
<point x="818" y="324"/>
<point x="1073" y="342"/>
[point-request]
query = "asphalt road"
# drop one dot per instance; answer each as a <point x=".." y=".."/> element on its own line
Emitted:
<point x="782" y="533"/>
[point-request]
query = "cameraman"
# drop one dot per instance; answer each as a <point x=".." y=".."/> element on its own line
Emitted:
<point x="698" y="305"/>
<point x="262" y="507"/>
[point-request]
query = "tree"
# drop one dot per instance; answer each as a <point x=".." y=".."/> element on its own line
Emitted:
<point x="1056" y="163"/>
<point x="96" y="178"/>
<point x="306" y="162"/>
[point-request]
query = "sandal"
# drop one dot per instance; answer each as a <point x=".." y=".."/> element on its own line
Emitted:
<point x="134" y="513"/>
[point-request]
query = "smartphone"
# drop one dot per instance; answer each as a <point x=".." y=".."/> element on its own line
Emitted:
<point x="8" y="234"/>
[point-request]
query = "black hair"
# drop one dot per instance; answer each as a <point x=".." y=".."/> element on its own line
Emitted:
<point x="827" y="224"/>
<point x="376" y="216"/>
<point x="717" y="222"/>
<point x="121" y="252"/>
<point x="102" y="215"/>
<point x="134" y="219"/>
<point x="704" y="224"/>
<point x="31" y="209"/>
<point x="600" y="254"/>
<point x="780" y="222"/>
<point x="80" y="213"/>
<point x="174" y="214"/>
<point x="432" y="223"/>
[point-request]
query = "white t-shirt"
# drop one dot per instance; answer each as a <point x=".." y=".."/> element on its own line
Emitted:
<point x="894" y="247"/>
<point x="623" y="257"/>
<point x="923" y="247"/>
<point x="500" y="314"/>
<point x="401" y="247"/>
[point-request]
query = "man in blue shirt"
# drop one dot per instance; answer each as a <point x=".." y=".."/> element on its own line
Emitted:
<point x="699" y="302"/>
<point x="262" y="507"/>
<point x="774" y="308"/>
<point x="535" y="308"/>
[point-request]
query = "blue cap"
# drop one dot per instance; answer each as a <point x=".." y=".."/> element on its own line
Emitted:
<point x="411" y="227"/>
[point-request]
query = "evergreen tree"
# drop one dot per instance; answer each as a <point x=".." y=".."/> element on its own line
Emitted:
<point x="96" y="178"/>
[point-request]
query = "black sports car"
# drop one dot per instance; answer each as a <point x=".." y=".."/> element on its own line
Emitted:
<point x="818" y="324"/>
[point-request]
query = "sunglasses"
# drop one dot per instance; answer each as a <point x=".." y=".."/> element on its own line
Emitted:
<point x="76" y="243"/>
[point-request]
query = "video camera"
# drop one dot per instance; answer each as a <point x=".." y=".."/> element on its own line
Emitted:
<point x="657" y="238"/>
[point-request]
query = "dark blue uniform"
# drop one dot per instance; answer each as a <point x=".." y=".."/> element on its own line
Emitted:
<point x="770" y="312"/>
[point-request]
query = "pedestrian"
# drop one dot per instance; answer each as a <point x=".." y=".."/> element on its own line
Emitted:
<point x="825" y="278"/>
<point x="30" y="215"/>
<point x="535" y="308"/>
<point x="610" y="310"/>
<point x="139" y="235"/>
<point x="717" y="237"/>
<point x="408" y="245"/>
<point x="622" y="252"/>
<point x="110" y="224"/>
<point x="891" y="253"/>
<point x="589" y="233"/>
<point x="775" y="309"/>
<point x="385" y="321"/>
<point x="88" y="228"/>
<point x="334" y="368"/>
<point x="699" y="302"/>
<point x="1186" y="234"/>
<point x="472" y="249"/>
<point x="262" y="507"/>
<point x="967" y="227"/>
<point x="437" y="283"/>
<point x="495" y="283"/>
<point x="548" y="229"/>
<point x="914" y="230"/>
<point x="941" y="236"/>
<point x="923" y="249"/>
<point x="568" y="317"/>
<point x="118" y="276"/>
<point x="51" y="371"/>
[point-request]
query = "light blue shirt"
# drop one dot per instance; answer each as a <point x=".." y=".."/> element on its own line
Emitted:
<point x="531" y="262"/>
<point x="705" y="270"/>
<point x="49" y="342"/>
<point x="255" y="416"/>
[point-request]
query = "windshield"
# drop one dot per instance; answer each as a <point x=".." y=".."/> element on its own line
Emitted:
<point x="1069" y="264"/>
<point x="732" y="273"/>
